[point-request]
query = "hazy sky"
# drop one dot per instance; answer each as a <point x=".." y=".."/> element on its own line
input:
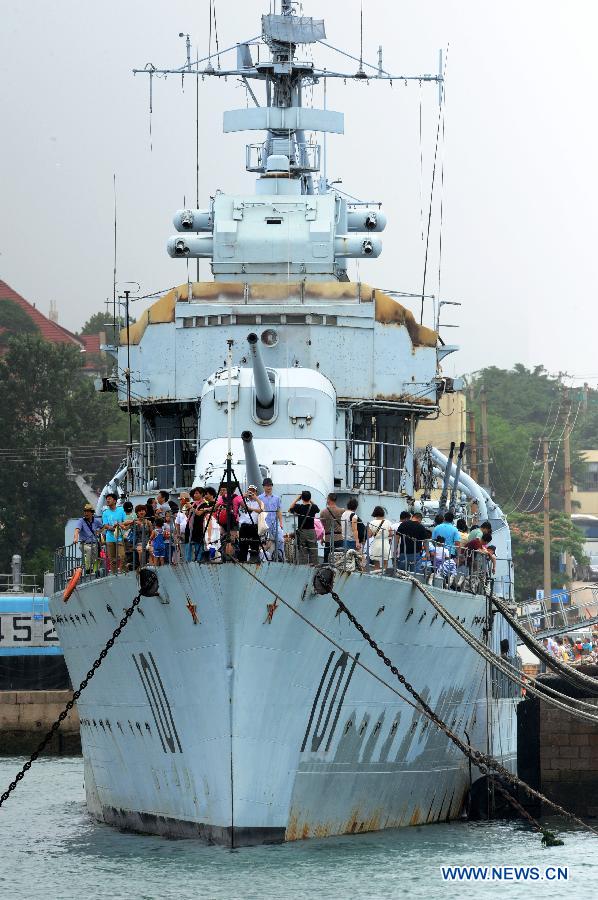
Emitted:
<point x="520" y="194"/>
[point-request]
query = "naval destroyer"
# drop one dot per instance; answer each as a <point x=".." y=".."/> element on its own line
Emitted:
<point x="220" y="712"/>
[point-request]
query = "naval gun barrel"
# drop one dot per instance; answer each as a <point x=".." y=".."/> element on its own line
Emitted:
<point x="252" y="469"/>
<point x="445" y="483"/>
<point x="455" y="485"/>
<point x="264" y="390"/>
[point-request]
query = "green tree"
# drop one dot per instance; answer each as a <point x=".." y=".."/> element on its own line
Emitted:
<point x="13" y="320"/>
<point x="47" y="406"/>
<point x="527" y="533"/>
<point x="104" y="322"/>
<point x="524" y="406"/>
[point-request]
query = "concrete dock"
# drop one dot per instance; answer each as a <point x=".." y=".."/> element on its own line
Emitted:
<point x="557" y="753"/>
<point x="26" y="716"/>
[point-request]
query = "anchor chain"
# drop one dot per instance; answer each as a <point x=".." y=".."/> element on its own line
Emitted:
<point x="322" y="584"/>
<point x="484" y="762"/>
<point x="54" y="728"/>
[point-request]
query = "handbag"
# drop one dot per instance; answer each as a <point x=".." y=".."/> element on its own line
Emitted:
<point x="262" y="524"/>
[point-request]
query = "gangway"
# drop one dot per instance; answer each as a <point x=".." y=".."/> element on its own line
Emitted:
<point x="541" y="622"/>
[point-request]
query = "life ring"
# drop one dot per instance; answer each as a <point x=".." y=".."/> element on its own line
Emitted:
<point x="74" y="581"/>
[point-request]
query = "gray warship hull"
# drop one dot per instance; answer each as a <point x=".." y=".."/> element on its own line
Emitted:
<point x="254" y="725"/>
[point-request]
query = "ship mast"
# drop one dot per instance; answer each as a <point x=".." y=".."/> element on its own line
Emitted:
<point x="283" y="116"/>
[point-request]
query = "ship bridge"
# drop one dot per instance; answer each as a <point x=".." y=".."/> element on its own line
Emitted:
<point x="380" y="363"/>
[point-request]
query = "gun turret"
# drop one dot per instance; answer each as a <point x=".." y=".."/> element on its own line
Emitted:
<point x="252" y="469"/>
<point x="264" y="390"/>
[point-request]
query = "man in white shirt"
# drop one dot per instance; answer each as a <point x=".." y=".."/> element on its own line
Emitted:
<point x="180" y="520"/>
<point x="163" y="504"/>
<point x="273" y="508"/>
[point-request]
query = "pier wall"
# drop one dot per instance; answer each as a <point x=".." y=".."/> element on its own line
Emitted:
<point x="557" y="753"/>
<point x="26" y="716"/>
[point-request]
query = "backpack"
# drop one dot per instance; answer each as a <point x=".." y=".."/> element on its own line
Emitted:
<point x="361" y="529"/>
<point x="221" y="516"/>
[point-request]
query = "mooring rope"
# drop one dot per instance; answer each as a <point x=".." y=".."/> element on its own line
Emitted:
<point x="546" y="693"/>
<point x="574" y="676"/>
<point x="484" y="762"/>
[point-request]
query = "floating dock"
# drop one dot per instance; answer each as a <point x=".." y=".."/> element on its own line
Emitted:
<point x="34" y="681"/>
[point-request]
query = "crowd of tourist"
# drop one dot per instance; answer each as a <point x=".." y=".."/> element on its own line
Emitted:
<point x="204" y="526"/>
<point x="574" y="650"/>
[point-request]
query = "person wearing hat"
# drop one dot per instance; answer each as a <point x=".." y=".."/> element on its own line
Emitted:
<point x="273" y="507"/>
<point x="87" y="532"/>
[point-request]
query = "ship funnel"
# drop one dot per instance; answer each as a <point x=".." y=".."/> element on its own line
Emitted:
<point x="264" y="390"/>
<point x="252" y="469"/>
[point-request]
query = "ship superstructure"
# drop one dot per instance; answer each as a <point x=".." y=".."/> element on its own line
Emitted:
<point x="247" y="725"/>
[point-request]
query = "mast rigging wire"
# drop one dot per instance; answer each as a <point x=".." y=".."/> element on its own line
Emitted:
<point x="441" y="104"/>
<point x="114" y="257"/>
<point x="216" y="35"/>
<point x="442" y="145"/>
<point x="421" y="166"/>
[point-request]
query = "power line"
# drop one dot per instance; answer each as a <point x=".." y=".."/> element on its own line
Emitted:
<point x="514" y="491"/>
<point x="559" y="441"/>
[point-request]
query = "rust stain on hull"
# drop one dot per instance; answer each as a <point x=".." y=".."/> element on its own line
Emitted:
<point x="357" y="823"/>
<point x="360" y="822"/>
<point x="416" y="817"/>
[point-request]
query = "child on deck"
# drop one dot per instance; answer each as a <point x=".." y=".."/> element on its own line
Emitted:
<point x="158" y="543"/>
<point x="442" y="561"/>
<point x="440" y="554"/>
<point x="167" y="531"/>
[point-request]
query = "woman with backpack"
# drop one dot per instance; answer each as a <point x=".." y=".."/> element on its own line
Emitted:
<point x="380" y="538"/>
<point x="305" y="512"/>
<point x="353" y="529"/>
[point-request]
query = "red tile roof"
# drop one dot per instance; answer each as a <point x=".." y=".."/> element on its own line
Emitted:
<point x="93" y="357"/>
<point x="50" y="331"/>
<point x="91" y="342"/>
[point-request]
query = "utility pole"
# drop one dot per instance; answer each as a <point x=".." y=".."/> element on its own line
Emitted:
<point x="484" y="423"/>
<point x="567" y="486"/>
<point x="547" y="575"/>
<point x="472" y="445"/>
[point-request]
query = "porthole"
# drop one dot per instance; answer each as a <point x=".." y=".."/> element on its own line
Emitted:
<point x="270" y="337"/>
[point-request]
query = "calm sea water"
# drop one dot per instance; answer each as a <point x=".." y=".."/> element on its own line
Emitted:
<point x="50" y="848"/>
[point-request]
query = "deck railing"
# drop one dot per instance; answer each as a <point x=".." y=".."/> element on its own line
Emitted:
<point x="375" y="466"/>
<point x="385" y="554"/>
<point x="168" y="464"/>
<point x="23" y="584"/>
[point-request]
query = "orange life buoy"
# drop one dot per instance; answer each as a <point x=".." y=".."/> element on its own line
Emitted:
<point x="74" y="581"/>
